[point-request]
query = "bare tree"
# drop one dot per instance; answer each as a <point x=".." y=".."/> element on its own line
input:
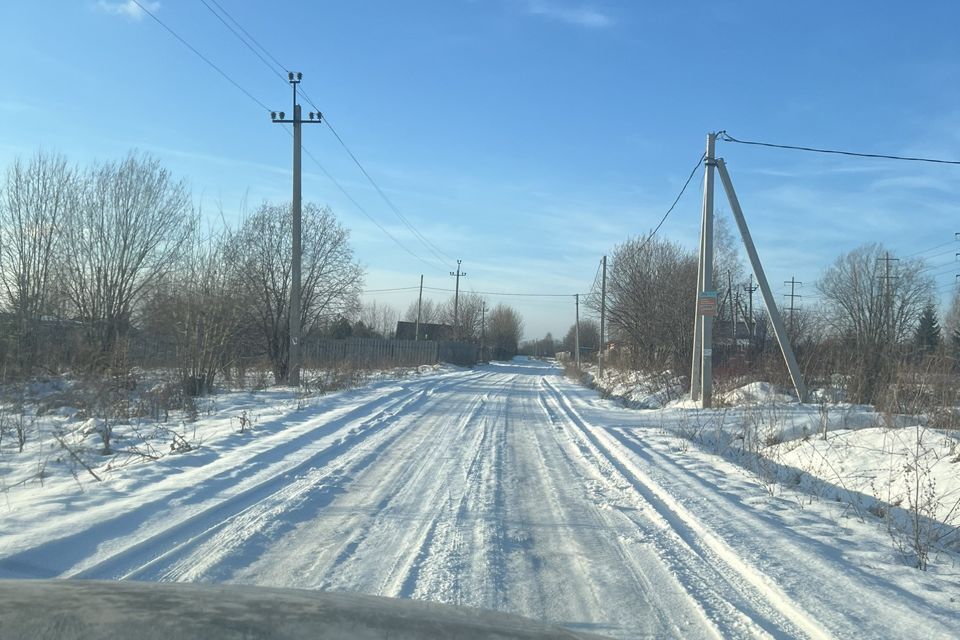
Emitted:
<point x="126" y="233"/>
<point x="589" y="339"/>
<point x="430" y="312"/>
<point x="195" y="309"/>
<point x="650" y="302"/>
<point x="873" y="310"/>
<point x="468" y="316"/>
<point x="380" y="318"/>
<point x="331" y="280"/>
<point x="504" y="330"/>
<point x="36" y="197"/>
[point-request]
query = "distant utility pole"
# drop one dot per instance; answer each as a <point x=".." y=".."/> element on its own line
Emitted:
<point x="456" y="301"/>
<point x="603" y="317"/>
<point x="293" y="369"/>
<point x="888" y="294"/>
<point x="751" y="323"/>
<point x="483" y="330"/>
<point x="419" y="307"/>
<point x="793" y="282"/>
<point x="732" y="300"/>
<point x="576" y="298"/>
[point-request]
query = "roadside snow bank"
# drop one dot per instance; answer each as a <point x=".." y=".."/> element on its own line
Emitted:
<point x="912" y="467"/>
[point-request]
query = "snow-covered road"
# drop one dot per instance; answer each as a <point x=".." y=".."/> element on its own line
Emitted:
<point x="505" y="487"/>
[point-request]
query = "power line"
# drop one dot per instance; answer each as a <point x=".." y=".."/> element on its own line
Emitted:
<point x="726" y="137"/>
<point x="439" y="253"/>
<point x="434" y="249"/>
<point x="356" y="204"/>
<point x="939" y="246"/>
<point x="266" y="108"/>
<point x="252" y="39"/>
<point x="200" y="55"/>
<point x="389" y="290"/>
<point x="672" y="206"/>
<point x="501" y="293"/>
<point x="241" y="38"/>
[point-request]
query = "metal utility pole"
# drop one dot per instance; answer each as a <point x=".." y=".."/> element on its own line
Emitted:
<point x="603" y="317"/>
<point x="419" y="307"/>
<point x="295" y="357"/>
<point x="706" y="296"/>
<point x="888" y="296"/>
<point x="576" y="298"/>
<point x="793" y="285"/>
<point x="775" y="319"/>
<point x="456" y="301"/>
<point x="751" y="323"/>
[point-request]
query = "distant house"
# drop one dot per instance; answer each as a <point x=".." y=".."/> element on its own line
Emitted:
<point x="428" y="331"/>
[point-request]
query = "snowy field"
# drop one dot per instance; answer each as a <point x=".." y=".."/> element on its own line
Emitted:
<point x="508" y="487"/>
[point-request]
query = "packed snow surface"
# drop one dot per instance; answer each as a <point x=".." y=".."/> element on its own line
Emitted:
<point x="505" y="487"/>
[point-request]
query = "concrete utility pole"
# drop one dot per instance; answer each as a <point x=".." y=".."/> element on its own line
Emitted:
<point x="706" y="296"/>
<point x="419" y="307"/>
<point x="456" y="301"/>
<point x="793" y="285"/>
<point x="603" y="317"/>
<point x="576" y="298"/>
<point x="778" y="328"/>
<point x="295" y="357"/>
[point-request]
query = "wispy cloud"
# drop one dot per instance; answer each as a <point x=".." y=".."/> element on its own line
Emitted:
<point x="580" y="15"/>
<point x="127" y="8"/>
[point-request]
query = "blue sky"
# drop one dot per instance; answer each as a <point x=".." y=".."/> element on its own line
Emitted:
<point x="526" y="137"/>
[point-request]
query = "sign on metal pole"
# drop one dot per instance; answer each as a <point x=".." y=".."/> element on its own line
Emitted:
<point x="707" y="303"/>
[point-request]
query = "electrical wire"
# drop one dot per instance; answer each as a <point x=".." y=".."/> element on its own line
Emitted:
<point x="431" y="247"/>
<point x="726" y="137"/>
<point x="502" y="293"/>
<point x="241" y="38"/>
<point x="939" y="246"/>
<point x="360" y="208"/>
<point x="435" y="250"/>
<point x="675" y="201"/>
<point x="264" y="106"/>
<point x="252" y="39"/>
<point x="389" y="290"/>
<point x="201" y="56"/>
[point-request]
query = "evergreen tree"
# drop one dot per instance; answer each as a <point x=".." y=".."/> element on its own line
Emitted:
<point x="927" y="337"/>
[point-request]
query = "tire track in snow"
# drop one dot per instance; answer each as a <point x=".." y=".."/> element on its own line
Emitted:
<point x="872" y="618"/>
<point x="378" y="536"/>
<point x="669" y="607"/>
<point x="757" y="592"/>
<point x="144" y="557"/>
<point x="427" y="572"/>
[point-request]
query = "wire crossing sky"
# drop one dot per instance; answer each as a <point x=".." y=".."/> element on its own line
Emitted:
<point x="526" y="137"/>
